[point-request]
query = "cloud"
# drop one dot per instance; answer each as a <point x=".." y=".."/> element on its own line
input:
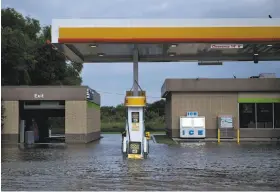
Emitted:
<point x="46" y="10"/>
<point x="160" y="6"/>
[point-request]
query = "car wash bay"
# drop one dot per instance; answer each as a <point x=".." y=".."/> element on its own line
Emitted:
<point x="66" y="110"/>
<point x="41" y="115"/>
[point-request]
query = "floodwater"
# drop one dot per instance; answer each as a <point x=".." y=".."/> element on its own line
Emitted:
<point x="100" y="166"/>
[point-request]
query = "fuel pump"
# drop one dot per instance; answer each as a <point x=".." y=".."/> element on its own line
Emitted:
<point x="135" y="143"/>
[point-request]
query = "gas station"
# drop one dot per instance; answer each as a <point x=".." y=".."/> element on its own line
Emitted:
<point x="206" y="41"/>
<point x="216" y="103"/>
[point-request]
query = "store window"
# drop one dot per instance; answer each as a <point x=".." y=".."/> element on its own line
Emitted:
<point x="264" y="115"/>
<point x="247" y="115"/>
<point x="276" y="115"/>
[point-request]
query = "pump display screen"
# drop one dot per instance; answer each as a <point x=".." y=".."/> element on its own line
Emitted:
<point x="135" y="117"/>
<point x="134" y="148"/>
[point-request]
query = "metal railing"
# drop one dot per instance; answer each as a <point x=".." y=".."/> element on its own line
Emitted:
<point x="237" y="135"/>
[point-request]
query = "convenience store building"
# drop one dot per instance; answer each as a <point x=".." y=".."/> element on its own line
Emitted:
<point x="253" y="103"/>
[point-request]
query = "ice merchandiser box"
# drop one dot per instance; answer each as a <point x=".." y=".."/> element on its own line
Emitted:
<point x="192" y="127"/>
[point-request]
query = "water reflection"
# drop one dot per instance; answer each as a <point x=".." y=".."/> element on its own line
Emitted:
<point x="100" y="166"/>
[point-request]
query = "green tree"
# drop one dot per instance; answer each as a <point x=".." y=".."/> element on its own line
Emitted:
<point x="27" y="60"/>
<point x="17" y="57"/>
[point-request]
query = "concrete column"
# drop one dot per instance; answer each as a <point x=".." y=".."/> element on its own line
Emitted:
<point x="10" y="131"/>
<point x="75" y="121"/>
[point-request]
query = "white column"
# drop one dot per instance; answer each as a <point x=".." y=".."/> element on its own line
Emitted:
<point x="22" y="130"/>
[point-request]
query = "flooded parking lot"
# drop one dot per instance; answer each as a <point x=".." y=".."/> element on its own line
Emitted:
<point x="100" y="166"/>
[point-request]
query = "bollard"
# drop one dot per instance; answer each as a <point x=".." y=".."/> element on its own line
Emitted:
<point x="238" y="136"/>
<point x="148" y="135"/>
<point x="219" y="136"/>
<point x="22" y="131"/>
<point x="50" y="133"/>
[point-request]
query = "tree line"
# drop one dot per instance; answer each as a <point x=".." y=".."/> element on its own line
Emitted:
<point x="28" y="60"/>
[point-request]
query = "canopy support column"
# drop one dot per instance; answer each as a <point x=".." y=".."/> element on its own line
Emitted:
<point x="135" y="71"/>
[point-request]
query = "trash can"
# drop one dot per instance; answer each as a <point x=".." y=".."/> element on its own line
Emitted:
<point x="29" y="137"/>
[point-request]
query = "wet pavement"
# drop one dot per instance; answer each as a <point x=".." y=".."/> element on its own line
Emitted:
<point x="100" y="166"/>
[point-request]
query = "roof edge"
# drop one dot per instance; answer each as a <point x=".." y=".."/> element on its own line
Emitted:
<point x="222" y="85"/>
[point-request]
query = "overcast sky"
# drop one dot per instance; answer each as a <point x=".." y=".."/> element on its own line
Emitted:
<point x="111" y="83"/>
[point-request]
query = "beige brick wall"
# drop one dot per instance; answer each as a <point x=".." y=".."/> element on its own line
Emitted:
<point x="93" y="119"/>
<point x="75" y="117"/>
<point x="11" y="121"/>
<point x="209" y="105"/>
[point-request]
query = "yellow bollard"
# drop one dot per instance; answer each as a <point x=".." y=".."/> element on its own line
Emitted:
<point x="238" y="136"/>
<point x="219" y="136"/>
<point x="148" y="135"/>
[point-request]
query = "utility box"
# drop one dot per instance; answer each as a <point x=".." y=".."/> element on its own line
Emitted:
<point x="225" y="124"/>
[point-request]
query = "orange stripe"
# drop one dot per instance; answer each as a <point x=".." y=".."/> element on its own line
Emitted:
<point x="165" y="40"/>
<point x="170" y="33"/>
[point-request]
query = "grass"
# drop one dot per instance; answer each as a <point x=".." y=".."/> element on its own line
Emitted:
<point x="164" y="139"/>
<point x="104" y="132"/>
<point x="114" y="125"/>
